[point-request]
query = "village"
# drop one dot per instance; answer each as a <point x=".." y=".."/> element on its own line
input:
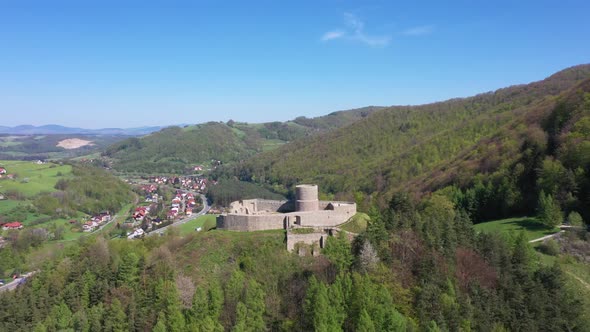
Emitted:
<point x="162" y="201"/>
<point x="155" y="213"/>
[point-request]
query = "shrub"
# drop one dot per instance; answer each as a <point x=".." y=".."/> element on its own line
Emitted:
<point x="549" y="247"/>
<point x="575" y="219"/>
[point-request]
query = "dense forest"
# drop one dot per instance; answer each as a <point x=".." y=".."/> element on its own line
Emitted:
<point x="505" y="140"/>
<point x="172" y="149"/>
<point x="418" y="267"/>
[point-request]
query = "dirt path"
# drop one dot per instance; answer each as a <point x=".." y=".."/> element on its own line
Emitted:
<point x="585" y="284"/>
<point x="546" y="237"/>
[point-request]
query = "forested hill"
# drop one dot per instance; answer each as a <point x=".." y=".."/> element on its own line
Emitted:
<point x="425" y="147"/>
<point x="174" y="149"/>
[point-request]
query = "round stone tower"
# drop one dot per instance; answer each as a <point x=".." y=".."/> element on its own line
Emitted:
<point x="307" y="197"/>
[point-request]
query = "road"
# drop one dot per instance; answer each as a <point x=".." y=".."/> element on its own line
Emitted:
<point x="204" y="211"/>
<point x="13" y="284"/>
<point x="546" y="237"/>
<point x="562" y="227"/>
<point x="114" y="218"/>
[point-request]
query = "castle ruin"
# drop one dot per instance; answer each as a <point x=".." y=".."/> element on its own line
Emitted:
<point x="306" y="211"/>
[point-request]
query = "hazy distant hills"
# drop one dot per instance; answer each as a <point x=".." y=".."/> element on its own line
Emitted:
<point x="61" y="130"/>
<point x="173" y="149"/>
<point x="423" y="148"/>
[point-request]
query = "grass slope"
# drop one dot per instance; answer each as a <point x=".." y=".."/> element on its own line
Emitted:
<point x="357" y="224"/>
<point x="206" y="222"/>
<point x="532" y="228"/>
<point x="32" y="178"/>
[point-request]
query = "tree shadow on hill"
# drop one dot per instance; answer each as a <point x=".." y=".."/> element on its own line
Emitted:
<point x="532" y="225"/>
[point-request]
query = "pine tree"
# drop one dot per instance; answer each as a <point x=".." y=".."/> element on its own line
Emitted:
<point x="95" y="318"/>
<point x="161" y="324"/>
<point x="365" y="323"/>
<point x="241" y="318"/>
<point x="62" y="315"/>
<point x="339" y="251"/>
<point x="116" y="320"/>
<point x="548" y="211"/>
<point x="215" y="294"/>
<point x="80" y="321"/>
<point x="128" y="270"/>
<point x="254" y="301"/>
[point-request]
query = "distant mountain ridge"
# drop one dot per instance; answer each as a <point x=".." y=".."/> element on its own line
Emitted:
<point x="53" y="129"/>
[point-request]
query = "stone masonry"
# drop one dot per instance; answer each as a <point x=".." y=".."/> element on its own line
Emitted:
<point x="306" y="211"/>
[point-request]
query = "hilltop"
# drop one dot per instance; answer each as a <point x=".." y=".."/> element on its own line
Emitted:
<point x="172" y="149"/>
<point x="425" y="148"/>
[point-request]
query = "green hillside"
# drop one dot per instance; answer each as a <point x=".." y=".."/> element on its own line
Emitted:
<point x="31" y="178"/>
<point x="421" y="276"/>
<point x="425" y="148"/>
<point x="47" y="196"/>
<point x="174" y="149"/>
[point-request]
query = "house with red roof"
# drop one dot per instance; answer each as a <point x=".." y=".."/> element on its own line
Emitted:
<point x="12" y="225"/>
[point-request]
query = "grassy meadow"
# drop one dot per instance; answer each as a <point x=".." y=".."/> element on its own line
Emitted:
<point x="206" y="222"/>
<point x="32" y="178"/>
<point x="357" y="224"/>
<point x="531" y="226"/>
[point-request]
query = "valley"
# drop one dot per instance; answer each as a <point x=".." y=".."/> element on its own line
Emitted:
<point x="451" y="197"/>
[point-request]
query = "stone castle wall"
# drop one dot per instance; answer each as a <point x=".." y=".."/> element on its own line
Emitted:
<point x="256" y="221"/>
<point x="309" y="239"/>
<point x="305" y="211"/>
<point x="257" y="206"/>
<point x="249" y="223"/>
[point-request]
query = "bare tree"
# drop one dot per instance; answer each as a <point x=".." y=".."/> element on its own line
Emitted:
<point x="368" y="257"/>
<point x="186" y="290"/>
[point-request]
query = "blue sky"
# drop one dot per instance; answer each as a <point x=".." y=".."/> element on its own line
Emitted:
<point x="132" y="63"/>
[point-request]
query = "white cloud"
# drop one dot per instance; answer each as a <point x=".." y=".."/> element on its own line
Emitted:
<point x="333" y="35"/>
<point x="419" y="31"/>
<point x="355" y="31"/>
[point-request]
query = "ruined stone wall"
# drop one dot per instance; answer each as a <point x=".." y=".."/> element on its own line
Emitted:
<point x="338" y="206"/>
<point x="255" y="206"/>
<point x="275" y="206"/>
<point x="309" y="239"/>
<point x="248" y="223"/>
<point x="252" y="215"/>
<point x="323" y="218"/>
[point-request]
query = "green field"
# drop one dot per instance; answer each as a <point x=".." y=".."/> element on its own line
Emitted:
<point x="7" y="205"/>
<point x="206" y="222"/>
<point x="32" y="179"/>
<point x="271" y="144"/>
<point x="530" y="226"/>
